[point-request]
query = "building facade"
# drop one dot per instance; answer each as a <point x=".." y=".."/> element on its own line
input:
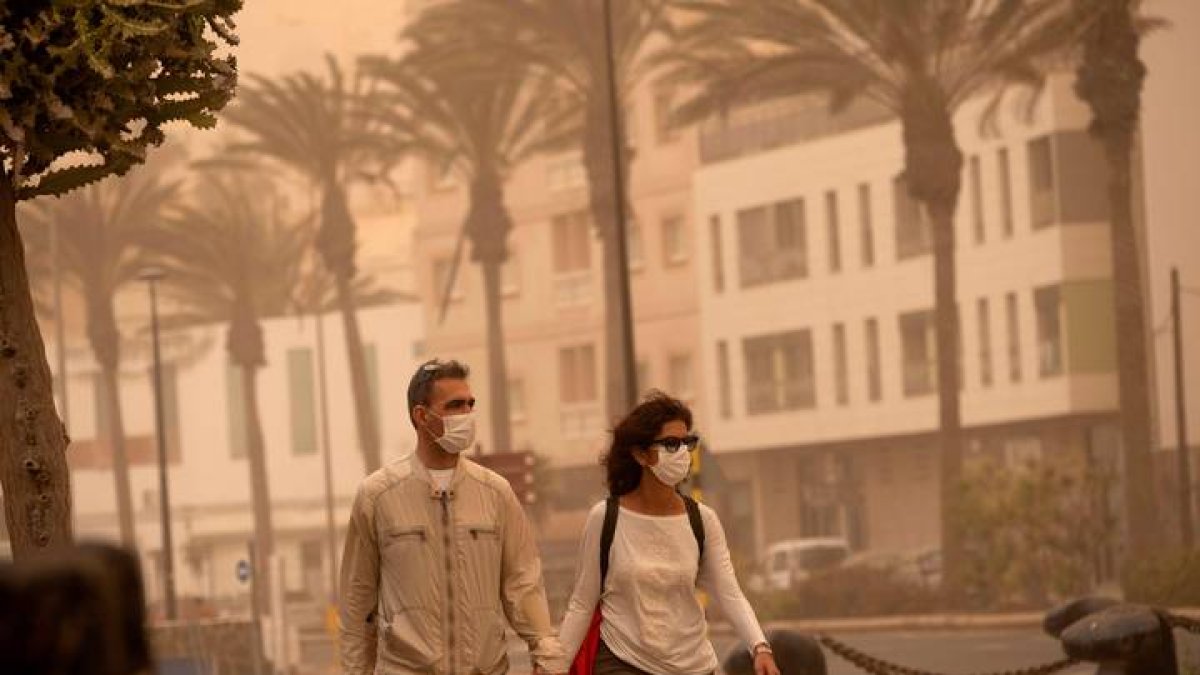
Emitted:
<point x="817" y="331"/>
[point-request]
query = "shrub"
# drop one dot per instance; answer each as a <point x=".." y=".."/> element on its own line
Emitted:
<point x="1165" y="580"/>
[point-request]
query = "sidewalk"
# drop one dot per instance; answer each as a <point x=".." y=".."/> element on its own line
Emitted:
<point x="941" y="621"/>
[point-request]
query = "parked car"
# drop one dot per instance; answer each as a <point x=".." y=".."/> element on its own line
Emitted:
<point x="918" y="566"/>
<point x="792" y="561"/>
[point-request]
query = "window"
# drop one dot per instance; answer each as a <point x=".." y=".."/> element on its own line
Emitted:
<point x="975" y="185"/>
<point x="1006" y="206"/>
<point x="773" y="243"/>
<point x="866" y="229"/>
<point x="835" y="237"/>
<point x="919" y="345"/>
<point x="914" y="236"/>
<point x="446" y="284"/>
<point x="572" y="243"/>
<point x="170" y="396"/>
<point x="680" y="377"/>
<point x="1014" y="338"/>
<point x="664" y="130"/>
<point x="634" y="248"/>
<point x="577" y="374"/>
<point x="565" y="172"/>
<point x="302" y="401"/>
<point x="718" y="254"/>
<point x="985" y="343"/>
<point x="724" y="384"/>
<point x="572" y="259"/>
<point x="779" y="372"/>
<point x="643" y="375"/>
<point x="840" y="367"/>
<point x="371" y="357"/>
<point x="874" y="373"/>
<point x="235" y="406"/>
<point x="1048" y="302"/>
<point x="1041" y="182"/>
<point x="674" y="235"/>
<point x="516" y="399"/>
<point x="510" y="276"/>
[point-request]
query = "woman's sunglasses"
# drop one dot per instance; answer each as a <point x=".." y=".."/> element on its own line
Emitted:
<point x="673" y="444"/>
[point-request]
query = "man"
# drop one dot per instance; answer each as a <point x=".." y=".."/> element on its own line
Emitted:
<point x="439" y="553"/>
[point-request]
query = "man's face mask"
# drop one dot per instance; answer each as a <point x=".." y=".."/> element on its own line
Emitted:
<point x="458" y="432"/>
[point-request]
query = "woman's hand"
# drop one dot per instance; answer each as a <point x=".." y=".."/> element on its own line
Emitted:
<point x="764" y="664"/>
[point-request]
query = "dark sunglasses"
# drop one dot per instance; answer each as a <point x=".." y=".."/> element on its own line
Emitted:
<point x="673" y="444"/>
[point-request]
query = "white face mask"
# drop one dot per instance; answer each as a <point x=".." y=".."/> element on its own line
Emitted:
<point x="458" y="432"/>
<point x="673" y="467"/>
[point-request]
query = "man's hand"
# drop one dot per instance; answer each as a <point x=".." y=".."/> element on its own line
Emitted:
<point x="764" y="664"/>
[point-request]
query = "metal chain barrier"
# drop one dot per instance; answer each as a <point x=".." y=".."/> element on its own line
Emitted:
<point x="876" y="666"/>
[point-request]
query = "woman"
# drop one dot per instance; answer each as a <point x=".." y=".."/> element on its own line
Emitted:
<point x="651" y="620"/>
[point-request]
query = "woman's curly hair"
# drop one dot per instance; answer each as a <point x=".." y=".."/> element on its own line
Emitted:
<point x="638" y="430"/>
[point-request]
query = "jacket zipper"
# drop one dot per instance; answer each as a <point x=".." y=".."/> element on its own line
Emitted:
<point x="447" y="545"/>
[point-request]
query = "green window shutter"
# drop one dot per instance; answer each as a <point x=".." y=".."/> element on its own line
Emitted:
<point x="236" y="411"/>
<point x="302" y="402"/>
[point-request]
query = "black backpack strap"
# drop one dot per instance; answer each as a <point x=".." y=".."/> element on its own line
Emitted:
<point x="611" y="508"/>
<point x="693" y="513"/>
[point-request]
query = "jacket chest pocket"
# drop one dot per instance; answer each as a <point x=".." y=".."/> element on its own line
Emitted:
<point x="405" y="547"/>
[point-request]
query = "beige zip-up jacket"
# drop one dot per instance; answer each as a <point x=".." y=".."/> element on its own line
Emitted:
<point x="430" y="577"/>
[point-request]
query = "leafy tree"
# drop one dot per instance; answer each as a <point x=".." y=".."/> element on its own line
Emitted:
<point x="920" y="59"/>
<point x="311" y="125"/>
<point x="101" y="229"/>
<point x="482" y="119"/>
<point x="86" y="87"/>
<point x="564" y="41"/>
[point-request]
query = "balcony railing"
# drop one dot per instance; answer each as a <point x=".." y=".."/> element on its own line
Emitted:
<point x="757" y="127"/>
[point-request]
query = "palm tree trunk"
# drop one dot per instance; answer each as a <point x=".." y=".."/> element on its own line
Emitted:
<point x="335" y="241"/>
<point x="497" y="363"/>
<point x="260" y="490"/>
<point x="950" y="450"/>
<point x="1109" y="79"/>
<point x="33" y="443"/>
<point x="364" y="411"/>
<point x="120" y="458"/>
<point x="604" y="198"/>
<point x="933" y="171"/>
<point x="1132" y="361"/>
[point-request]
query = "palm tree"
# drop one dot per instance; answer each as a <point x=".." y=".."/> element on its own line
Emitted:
<point x="1109" y="79"/>
<point x="920" y="59"/>
<point x="562" y="40"/>
<point x="308" y="124"/>
<point x="231" y="258"/>
<point x="482" y="119"/>
<point x="100" y="230"/>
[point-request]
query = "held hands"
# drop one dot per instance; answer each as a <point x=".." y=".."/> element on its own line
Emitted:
<point x="764" y="664"/>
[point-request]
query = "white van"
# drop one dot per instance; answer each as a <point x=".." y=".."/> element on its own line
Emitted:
<point x="791" y="561"/>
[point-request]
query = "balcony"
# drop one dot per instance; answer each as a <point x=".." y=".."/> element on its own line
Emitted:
<point x="758" y="127"/>
<point x="573" y="289"/>
<point x="580" y="421"/>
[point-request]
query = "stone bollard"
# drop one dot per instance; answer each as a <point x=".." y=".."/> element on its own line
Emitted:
<point x="795" y="654"/>
<point x="1123" y="639"/>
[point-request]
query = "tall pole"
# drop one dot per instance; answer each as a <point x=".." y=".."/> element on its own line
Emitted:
<point x="59" y="330"/>
<point x="625" y="303"/>
<point x="151" y="277"/>
<point x="1184" y="454"/>
<point x="323" y="402"/>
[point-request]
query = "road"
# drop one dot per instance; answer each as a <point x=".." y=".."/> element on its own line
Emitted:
<point x="959" y="652"/>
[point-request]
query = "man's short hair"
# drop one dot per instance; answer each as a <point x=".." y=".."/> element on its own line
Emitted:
<point x="420" y="387"/>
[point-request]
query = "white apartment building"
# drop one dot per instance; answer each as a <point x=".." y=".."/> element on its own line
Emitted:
<point x="816" y="287"/>
<point x="209" y="482"/>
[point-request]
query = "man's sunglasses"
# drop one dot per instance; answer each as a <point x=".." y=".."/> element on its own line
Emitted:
<point x="673" y="444"/>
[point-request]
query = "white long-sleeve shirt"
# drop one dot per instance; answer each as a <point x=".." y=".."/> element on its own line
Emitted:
<point x="652" y="618"/>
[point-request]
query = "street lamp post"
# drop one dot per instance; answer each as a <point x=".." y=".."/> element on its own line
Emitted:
<point x="152" y="275"/>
